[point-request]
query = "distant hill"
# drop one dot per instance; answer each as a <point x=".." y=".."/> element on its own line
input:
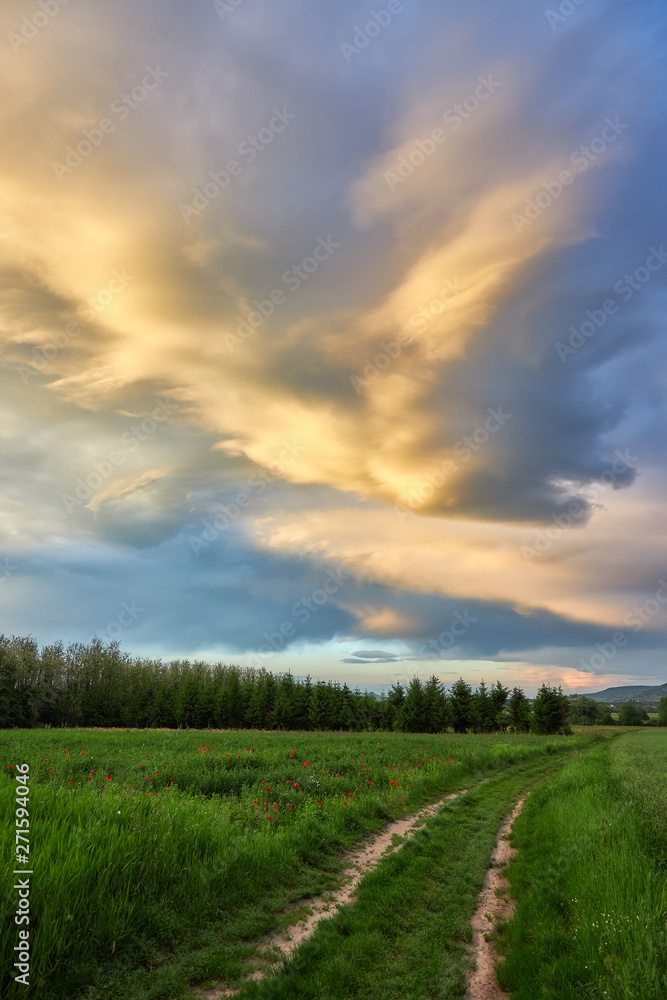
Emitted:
<point x="640" y="693"/>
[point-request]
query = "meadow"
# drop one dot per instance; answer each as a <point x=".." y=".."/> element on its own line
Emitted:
<point x="590" y="878"/>
<point x="159" y="858"/>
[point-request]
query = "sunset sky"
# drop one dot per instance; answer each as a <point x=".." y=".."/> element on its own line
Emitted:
<point x="332" y="335"/>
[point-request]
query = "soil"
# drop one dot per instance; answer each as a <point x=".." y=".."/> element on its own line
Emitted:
<point x="494" y="906"/>
<point x="361" y="860"/>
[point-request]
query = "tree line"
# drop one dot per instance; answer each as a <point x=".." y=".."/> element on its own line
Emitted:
<point x="97" y="684"/>
<point x="587" y="712"/>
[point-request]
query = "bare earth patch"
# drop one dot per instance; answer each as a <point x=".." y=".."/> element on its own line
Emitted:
<point x="362" y="860"/>
<point x="494" y="905"/>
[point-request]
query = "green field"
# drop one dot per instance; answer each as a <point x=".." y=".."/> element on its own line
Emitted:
<point x="591" y="878"/>
<point x="166" y="853"/>
<point x="159" y="859"/>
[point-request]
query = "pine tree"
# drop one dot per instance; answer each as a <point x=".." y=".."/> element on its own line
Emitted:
<point x="395" y="699"/>
<point x="550" y="711"/>
<point x="460" y="704"/>
<point x="318" y="706"/>
<point x="412" y="715"/>
<point x="282" y="708"/>
<point x="499" y="695"/>
<point x="481" y="710"/>
<point x="519" y="712"/>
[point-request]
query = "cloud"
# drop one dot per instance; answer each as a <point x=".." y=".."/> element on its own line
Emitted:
<point x="373" y="656"/>
<point x="358" y="326"/>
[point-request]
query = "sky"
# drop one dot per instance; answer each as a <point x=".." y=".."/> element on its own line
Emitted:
<point x="332" y="335"/>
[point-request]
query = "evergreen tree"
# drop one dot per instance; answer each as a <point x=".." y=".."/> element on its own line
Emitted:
<point x="460" y="703"/>
<point x="519" y="712"/>
<point x="260" y="705"/>
<point x="550" y="711"/>
<point x="411" y="717"/>
<point x="481" y="710"/>
<point x="499" y="695"/>
<point x="436" y="705"/>
<point x="347" y="718"/>
<point x="302" y="693"/>
<point x="318" y="706"/>
<point x="282" y="708"/>
<point x="394" y="702"/>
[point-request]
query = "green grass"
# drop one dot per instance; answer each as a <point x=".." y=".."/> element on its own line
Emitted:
<point x="408" y="934"/>
<point x="651" y="715"/>
<point x="590" y="879"/>
<point x="141" y="892"/>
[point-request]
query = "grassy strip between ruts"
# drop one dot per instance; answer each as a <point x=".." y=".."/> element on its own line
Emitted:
<point x="407" y="934"/>
<point x="590" y="879"/>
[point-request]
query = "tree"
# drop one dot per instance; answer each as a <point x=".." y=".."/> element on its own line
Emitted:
<point x="482" y="715"/>
<point x="630" y="714"/>
<point x="318" y="706"/>
<point x="519" y="712"/>
<point x="234" y="699"/>
<point x="550" y="711"/>
<point x="460" y="701"/>
<point x="15" y="700"/>
<point x="395" y="699"/>
<point x="662" y="712"/>
<point x="412" y="715"/>
<point x="436" y="706"/>
<point x="499" y="695"/>
<point x="282" y="709"/>
<point x="261" y="701"/>
<point x="187" y="703"/>
<point x="587" y="712"/>
<point x="162" y="715"/>
<point x="302" y="693"/>
<point x="347" y="718"/>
